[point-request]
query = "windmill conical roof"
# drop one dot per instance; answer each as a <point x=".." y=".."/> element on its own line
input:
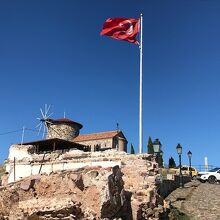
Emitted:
<point x="66" y="121"/>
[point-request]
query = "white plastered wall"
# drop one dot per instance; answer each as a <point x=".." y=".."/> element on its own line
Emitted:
<point x="25" y="170"/>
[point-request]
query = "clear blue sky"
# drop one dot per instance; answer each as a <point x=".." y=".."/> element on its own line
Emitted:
<point x="51" y="52"/>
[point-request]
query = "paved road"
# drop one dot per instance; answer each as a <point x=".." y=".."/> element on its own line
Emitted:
<point x="199" y="201"/>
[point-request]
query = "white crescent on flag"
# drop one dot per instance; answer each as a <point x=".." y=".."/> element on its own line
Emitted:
<point x="121" y="29"/>
<point x="130" y="29"/>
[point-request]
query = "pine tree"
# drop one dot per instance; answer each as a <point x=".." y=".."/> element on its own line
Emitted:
<point x="160" y="160"/>
<point x="172" y="163"/>
<point x="150" y="148"/>
<point x="132" y="149"/>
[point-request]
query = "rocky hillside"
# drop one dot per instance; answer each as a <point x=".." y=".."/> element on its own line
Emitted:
<point x="126" y="193"/>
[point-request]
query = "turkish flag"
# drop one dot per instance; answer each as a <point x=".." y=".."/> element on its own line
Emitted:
<point x="121" y="29"/>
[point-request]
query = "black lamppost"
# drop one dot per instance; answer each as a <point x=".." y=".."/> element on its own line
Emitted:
<point x="179" y="151"/>
<point x="190" y="165"/>
<point x="157" y="148"/>
<point x="161" y="156"/>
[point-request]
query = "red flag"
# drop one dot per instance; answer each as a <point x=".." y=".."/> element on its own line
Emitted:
<point x="121" y="29"/>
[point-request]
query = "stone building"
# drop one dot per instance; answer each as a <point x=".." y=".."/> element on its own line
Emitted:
<point x="61" y="177"/>
<point x="103" y="140"/>
<point x="69" y="130"/>
<point x="62" y="137"/>
<point x="63" y="128"/>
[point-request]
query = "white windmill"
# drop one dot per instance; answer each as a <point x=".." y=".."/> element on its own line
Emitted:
<point x="44" y="120"/>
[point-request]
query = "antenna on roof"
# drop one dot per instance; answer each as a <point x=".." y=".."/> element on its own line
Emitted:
<point x="22" y="136"/>
<point x="44" y="120"/>
<point x="64" y="114"/>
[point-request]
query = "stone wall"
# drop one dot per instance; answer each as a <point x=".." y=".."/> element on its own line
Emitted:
<point x="29" y="163"/>
<point x="62" y="131"/>
<point x="116" y="142"/>
<point x="168" y="186"/>
<point x="102" y="143"/>
<point x="21" y="152"/>
<point x="122" y="144"/>
<point x="114" y="185"/>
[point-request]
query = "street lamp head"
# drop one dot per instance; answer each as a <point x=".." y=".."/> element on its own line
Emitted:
<point x="156" y="145"/>
<point x="179" y="149"/>
<point x="189" y="154"/>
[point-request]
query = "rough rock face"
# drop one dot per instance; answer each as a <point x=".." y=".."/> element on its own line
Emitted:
<point x="91" y="193"/>
<point x="140" y="174"/>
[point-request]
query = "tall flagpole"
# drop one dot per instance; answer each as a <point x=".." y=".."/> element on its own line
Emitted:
<point x="141" y="90"/>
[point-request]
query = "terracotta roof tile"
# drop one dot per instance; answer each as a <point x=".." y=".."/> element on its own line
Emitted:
<point x="96" y="136"/>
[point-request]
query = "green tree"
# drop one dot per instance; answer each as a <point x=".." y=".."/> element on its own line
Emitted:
<point x="150" y="148"/>
<point x="159" y="160"/>
<point x="132" y="149"/>
<point x="172" y="163"/>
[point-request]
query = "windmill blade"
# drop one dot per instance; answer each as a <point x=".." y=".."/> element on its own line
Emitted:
<point x="48" y="122"/>
<point x="50" y="114"/>
<point x="43" y="132"/>
<point x="45" y="126"/>
<point x="39" y="129"/>
<point x="38" y="124"/>
<point x="47" y="110"/>
<point x="44" y="120"/>
<point x="42" y="113"/>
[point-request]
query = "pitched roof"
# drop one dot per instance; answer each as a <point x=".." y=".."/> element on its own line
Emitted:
<point x="97" y="136"/>
<point x="47" y="144"/>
